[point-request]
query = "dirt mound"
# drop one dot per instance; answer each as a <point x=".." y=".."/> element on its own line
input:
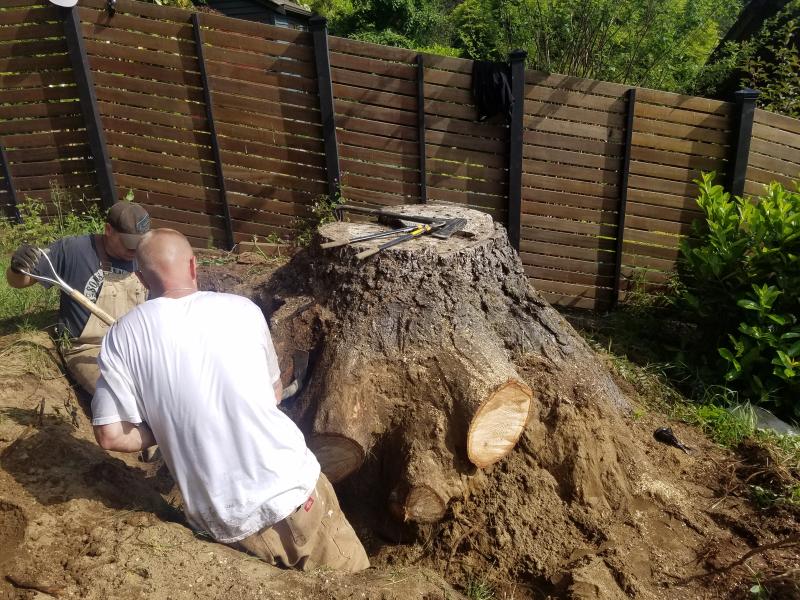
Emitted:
<point x="588" y="505"/>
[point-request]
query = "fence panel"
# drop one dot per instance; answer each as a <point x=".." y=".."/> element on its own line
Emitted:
<point x="375" y="106"/>
<point x="266" y="110"/>
<point x="467" y="160"/>
<point x="572" y="161"/>
<point x="40" y="116"/>
<point x="774" y="152"/>
<point x="674" y="138"/>
<point x="150" y="99"/>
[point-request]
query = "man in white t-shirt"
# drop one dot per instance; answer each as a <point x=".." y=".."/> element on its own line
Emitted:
<point x="196" y="373"/>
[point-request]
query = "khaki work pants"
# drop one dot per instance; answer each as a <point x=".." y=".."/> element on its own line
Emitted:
<point x="119" y="294"/>
<point x="311" y="537"/>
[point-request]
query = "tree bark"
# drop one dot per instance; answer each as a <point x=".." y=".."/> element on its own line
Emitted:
<point x="414" y="365"/>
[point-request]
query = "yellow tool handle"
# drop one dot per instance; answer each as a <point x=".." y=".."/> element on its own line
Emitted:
<point x="91" y="307"/>
<point x="411" y="235"/>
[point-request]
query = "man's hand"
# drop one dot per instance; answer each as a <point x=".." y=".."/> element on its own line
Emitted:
<point x="25" y="258"/>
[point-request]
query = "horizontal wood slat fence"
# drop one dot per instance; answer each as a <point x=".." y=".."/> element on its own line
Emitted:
<point x="226" y="129"/>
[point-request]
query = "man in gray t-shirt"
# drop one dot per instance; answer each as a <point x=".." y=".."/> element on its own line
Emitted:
<point x="101" y="268"/>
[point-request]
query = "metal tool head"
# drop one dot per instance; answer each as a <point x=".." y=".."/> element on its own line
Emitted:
<point x="450" y="227"/>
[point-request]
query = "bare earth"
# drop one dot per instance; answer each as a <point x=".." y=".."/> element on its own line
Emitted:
<point x="587" y="506"/>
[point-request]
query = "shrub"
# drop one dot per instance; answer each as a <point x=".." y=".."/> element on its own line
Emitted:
<point x="741" y="278"/>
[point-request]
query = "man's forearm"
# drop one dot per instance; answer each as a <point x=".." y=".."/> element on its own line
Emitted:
<point x="124" y="437"/>
<point x="278" y="388"/>
<point x="18" y="280"/>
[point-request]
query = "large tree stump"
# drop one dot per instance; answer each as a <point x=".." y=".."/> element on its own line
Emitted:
<point x="416" y="366"/>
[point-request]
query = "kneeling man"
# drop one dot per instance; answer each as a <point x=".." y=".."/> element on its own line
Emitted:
<point x="196" y="373"/>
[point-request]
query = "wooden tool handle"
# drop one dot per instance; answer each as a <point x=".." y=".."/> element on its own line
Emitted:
<point x="91" y="307"/>
<point x="334" y="244"/>
<point x="367" y="253"/>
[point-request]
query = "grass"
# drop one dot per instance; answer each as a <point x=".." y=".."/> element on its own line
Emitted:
<point x="33" y="307"/>
<point x="639" y="347"/>
<point x="477" y="589"/>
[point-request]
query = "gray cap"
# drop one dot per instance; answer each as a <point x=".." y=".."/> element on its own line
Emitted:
<point x="131" y="221"/>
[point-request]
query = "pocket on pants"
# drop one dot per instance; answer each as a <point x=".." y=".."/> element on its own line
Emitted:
<point x="304" y="522"/>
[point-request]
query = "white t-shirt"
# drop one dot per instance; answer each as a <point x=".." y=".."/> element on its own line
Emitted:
<point x="199" y="371"/>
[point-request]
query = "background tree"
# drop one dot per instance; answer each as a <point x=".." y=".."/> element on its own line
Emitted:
<point x="769" y="61"/>
<point x="656" y="43"/>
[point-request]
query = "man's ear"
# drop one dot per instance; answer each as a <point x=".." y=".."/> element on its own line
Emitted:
<point x="193" y="268"/>
<point x="108" y="230"/>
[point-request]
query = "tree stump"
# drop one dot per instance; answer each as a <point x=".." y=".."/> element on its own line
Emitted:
<point x="415" y="369"/>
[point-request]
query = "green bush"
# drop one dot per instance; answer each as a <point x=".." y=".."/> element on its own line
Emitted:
<point x="741" y="278"/>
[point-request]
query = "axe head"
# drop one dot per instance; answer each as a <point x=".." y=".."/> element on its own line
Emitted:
<point x="449" y="228"/>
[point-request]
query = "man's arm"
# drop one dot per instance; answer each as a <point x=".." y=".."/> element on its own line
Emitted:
<point x="25" y="258"/>
<point x="18" y="280"/>
<point x="278" y="387"/>
<point x="123" y="436"/>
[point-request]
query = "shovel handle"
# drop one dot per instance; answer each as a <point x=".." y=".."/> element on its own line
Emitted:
<point x="91" y="307"/>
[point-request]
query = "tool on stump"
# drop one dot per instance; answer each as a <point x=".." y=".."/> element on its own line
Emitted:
<point x="365" y="238"/>
<point x="421" y="230"/>
<point x="71" y="292"/>
<point x="385" y="215"/>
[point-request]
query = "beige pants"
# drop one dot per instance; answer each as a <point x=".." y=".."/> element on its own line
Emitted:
<point x="312" y="537"/>
<point x="119" y="294"/>
<point x="82" y="365"/>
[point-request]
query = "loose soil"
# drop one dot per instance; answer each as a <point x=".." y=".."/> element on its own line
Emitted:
<point x="587" y="506"/>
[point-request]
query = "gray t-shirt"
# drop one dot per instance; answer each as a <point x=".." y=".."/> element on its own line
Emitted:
<point x="76" y="261"/>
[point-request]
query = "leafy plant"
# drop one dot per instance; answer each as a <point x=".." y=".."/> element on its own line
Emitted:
<point x="322" y="211"/>
<point x="741" y="285"/>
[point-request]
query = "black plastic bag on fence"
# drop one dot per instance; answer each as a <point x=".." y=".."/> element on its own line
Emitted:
<point x="491" y="89"/>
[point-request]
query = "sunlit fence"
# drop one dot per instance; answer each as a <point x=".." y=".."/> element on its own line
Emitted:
<point x="226" y="129"/>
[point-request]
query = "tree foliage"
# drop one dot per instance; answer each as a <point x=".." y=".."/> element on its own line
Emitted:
<point x="657" y="43"/>
<point x="768" y="62"/>
<point x="742" y="288"/>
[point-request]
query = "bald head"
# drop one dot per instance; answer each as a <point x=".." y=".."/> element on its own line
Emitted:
<point x="166" y="262"/>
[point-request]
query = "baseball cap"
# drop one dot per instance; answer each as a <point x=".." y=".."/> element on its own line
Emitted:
<point x="131" y="221"/>
<point x="64" y="3"/>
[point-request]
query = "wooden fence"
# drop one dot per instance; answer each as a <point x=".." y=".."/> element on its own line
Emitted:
<point x="227" y="129"/>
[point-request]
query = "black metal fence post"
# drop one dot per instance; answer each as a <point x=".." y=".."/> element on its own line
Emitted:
<point x="743" y="130"/>
<point x="76" y="48"/>
<point x="12" y="191"/>
<point x="212" y="128"/>
<point x="623" y="195"/>
<point x="423" y="169"/>
<point x="517" y="60"/>
<point x="319" y="32"/>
